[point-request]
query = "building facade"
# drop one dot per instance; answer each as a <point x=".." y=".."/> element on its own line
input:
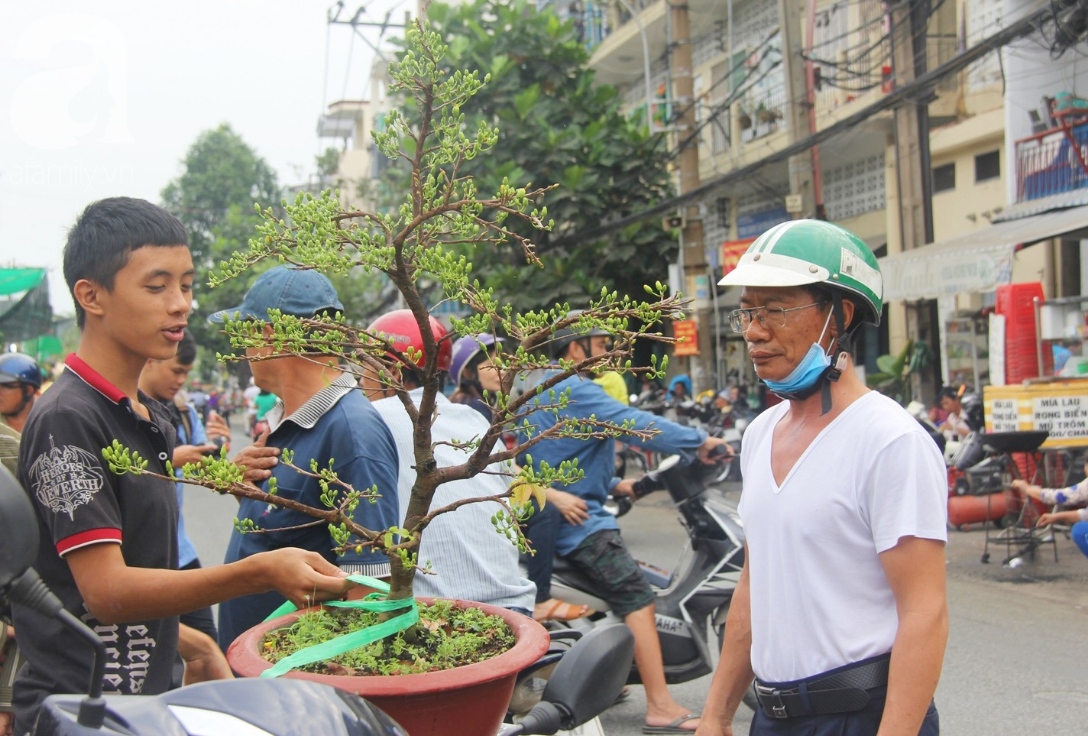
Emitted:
<point x="744" y="105"/>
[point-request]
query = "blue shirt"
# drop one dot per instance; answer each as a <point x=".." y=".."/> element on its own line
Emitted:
<point x="597" y="457"/>
<point x="339" y="424"/>
<point x="186" y="551"/>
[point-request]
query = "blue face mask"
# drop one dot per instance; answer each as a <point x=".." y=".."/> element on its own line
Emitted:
<point x="808" y="371"/>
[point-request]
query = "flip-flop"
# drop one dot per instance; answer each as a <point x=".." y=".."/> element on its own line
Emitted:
<point x="674" y="726"/>
<point x="561" y="610"/>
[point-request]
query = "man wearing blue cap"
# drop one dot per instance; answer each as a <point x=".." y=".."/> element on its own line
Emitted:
<point x="320" y="416"/>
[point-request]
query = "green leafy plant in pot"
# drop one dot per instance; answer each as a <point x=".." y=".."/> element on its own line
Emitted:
<point x="431" y="239"/>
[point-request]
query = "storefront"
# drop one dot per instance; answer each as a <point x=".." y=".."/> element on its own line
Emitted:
<point x="972" y="264"/>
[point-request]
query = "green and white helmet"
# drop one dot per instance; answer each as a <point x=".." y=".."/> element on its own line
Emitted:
<point x="802" y="252"/>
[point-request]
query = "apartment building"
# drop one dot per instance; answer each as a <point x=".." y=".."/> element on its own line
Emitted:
<point x="743" y="115"/>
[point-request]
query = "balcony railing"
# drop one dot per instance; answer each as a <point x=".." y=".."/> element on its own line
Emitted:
<point x="764" y="111"/>
<point x="1052" y="162"/>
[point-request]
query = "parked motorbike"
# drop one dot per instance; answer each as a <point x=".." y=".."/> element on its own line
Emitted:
<point x="589" y="675"/>
<point x="581" y="675"/>
<point x="693" y="600"/>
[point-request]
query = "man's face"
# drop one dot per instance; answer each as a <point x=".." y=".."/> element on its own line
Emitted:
<point x="951" y="405"/>
<point x="599" y="345"/>
<point x="488" y="375"/>
<point x="162" y="379"/>
<point x="372" y="385"/>
<point x="11" y="396"/>
<point x="146" y="311"/>
<point x="777" y="345"/>
<point x="263" y="370"/>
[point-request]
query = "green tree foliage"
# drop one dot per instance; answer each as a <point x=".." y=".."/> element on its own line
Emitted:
<point x="557" y="127"/>
<point x="213" y="197"/>
<point x="328" y="161"/>
<point x="222" y="177"/>
<point x="430" y="242"/>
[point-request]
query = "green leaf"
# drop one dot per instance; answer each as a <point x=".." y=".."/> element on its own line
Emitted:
<point x="526" y="99"/>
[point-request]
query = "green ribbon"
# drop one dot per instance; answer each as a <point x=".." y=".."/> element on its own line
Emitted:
<point x="355" y="639"/>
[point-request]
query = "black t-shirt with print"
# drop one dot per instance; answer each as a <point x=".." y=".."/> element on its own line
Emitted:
<point x="79" y="502"/>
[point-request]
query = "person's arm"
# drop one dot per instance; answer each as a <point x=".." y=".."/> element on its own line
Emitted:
<point x="115" y="593"/>
<point x="1063" y="517"/>
<point x="204" y="659"/>
<point x="915" y="569"/>
<point x="1073" y="495"/>
<point x="185" y="454"/>
<point x="734" y="674"/>
<point x="573" y="509"/>
<point x="593" y="401"/>
<point x="216" y="427"/>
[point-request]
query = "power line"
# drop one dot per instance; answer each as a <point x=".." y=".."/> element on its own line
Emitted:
<point x="906" y="94"/>
<point x="801" y="98"/>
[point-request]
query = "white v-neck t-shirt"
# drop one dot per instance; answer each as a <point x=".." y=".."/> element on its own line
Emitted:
<point x="819" y="596"/>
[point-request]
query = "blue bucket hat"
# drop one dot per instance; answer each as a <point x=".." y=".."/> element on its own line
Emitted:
<point x="298" y="292"/>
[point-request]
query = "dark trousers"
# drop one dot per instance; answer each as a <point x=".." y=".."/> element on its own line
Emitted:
<point x="864" y="722"/>
<point x="542" y="530"/>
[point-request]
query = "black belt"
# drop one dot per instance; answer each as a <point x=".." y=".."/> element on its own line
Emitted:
<point x="843" y="690"/>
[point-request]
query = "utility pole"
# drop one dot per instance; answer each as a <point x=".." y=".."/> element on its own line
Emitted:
<point x="802" y="203"/>
<point x="912" y="160"/>
<point x="701" y="366"/>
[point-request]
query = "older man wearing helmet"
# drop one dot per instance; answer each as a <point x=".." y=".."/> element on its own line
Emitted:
<point x="841" y="612"/>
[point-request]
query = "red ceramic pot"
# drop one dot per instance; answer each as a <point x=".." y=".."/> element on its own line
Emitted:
<point x="466" y="700"/>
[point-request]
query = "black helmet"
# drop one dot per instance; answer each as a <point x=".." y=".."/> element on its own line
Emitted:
<point x="19" y="368"/>
<point x="564" y="336"/>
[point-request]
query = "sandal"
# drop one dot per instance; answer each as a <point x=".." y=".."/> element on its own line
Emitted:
<point x="675" y="726"/>
<point x="560" y="610"/>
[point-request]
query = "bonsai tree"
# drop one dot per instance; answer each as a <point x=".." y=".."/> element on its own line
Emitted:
<point x="431" y="239"/>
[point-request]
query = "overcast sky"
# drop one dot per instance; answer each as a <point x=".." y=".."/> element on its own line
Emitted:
<point x="101" y="99"/>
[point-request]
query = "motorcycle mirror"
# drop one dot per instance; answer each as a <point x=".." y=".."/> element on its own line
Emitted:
<point x="589" y="677"/>
<point x="19" y="542"/>
<point x="667" y="464"/>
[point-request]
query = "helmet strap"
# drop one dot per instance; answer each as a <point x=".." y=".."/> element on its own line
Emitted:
<point x="474" y="382"/>
<point x="27" y="395"/>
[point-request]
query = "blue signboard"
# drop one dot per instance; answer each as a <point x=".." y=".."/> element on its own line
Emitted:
<point x="755" y="224"/>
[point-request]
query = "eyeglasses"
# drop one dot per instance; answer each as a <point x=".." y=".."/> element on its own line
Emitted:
<point x="741" y="319"/>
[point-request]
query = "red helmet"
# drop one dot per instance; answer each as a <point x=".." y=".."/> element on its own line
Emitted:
<point x="401" y="329"/>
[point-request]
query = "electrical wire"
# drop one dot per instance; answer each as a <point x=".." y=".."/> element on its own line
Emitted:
<point x="728" y="75"/>
<point x="802" y="97"/>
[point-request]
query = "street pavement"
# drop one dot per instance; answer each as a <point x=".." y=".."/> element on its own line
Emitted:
<point x="1016" y="646"/>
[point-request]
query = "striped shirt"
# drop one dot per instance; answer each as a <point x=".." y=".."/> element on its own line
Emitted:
<point x="470" y="559"/>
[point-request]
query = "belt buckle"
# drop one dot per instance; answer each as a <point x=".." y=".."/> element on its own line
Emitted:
<point x="777" y="708"/>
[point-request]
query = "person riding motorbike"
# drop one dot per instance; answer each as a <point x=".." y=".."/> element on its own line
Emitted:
<point x="589" y="538"/>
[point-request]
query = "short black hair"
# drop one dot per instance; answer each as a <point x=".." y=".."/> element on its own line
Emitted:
<point x="104" y="236"/>
<point x="186" y="349"/>
<point x="948" y="392"/>
<point x="410" y="377"/>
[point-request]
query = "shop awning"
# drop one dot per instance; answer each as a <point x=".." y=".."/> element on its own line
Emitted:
<point x="972" y="263"/>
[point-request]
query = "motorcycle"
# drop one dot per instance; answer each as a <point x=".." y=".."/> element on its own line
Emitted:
<point x="589" y="674"/>
<point x="692" y="601"/>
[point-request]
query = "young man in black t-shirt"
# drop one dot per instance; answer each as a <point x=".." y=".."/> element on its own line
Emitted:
<point x="108" y="542"/>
